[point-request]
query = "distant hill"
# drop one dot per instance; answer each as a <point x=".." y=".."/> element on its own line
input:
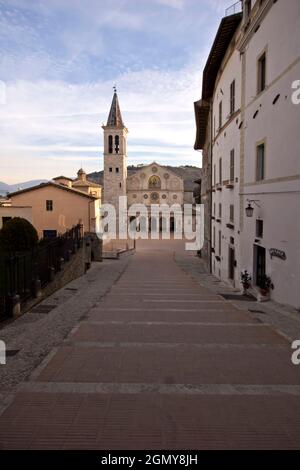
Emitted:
<point x="10" y="188"/>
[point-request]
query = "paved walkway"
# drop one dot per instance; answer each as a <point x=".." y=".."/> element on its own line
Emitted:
<point x="160" y="362"/>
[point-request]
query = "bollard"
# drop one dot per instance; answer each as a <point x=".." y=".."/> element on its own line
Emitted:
<point x="14" y="305"/>
<point x="2" y="353"/>
<point x="51" y="273"/>
<point x="36" y="288"/>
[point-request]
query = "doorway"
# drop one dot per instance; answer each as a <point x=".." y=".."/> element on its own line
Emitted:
<point x="49" y="234"/>
<point x="231" y="261"/>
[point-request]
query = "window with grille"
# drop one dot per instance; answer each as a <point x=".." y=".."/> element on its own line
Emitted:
<point x="260" y="162"/>
<point x="231" y="213"/>
<point x="232" y="97"/>
<point x="232" y="165"/>
<point x="261" y="71"/>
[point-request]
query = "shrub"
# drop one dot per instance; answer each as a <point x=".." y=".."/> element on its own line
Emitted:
<point x="245" y="280"/>
<point x="265" y="283"/>
<point x="18" y="235"/>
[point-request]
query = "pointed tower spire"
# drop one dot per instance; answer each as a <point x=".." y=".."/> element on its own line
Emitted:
<point x="115" y="155"/>
<point x="115" y="117"/>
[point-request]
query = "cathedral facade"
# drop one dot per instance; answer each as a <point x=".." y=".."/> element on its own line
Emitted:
<point x="145" y="184"/>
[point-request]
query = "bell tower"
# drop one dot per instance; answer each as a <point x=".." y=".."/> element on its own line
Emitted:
<point x="115" y="155"/>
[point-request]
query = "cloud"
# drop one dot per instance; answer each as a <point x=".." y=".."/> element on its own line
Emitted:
<point x="177" y="4"/>
<point x="60" y="39"/>
<point x="60" y="59"/>
<point x="49" y="121"/>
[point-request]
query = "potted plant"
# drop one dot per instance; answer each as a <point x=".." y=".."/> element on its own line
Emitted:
<point x="246" y="281"/>
<point x="265" y="285"/>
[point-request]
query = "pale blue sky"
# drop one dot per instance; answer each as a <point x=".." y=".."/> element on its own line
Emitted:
<point x="59" y="60"/>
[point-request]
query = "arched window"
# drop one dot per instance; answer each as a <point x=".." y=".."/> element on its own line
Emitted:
<point x="154" y="182"/>
<point x="110" y="144"/>
<point x="117" y="144"/>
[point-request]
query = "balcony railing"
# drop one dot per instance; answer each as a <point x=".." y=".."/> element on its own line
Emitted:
<point x="237" y="7"/>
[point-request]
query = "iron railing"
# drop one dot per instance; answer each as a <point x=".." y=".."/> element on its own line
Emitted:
<point x="20" y="272"/>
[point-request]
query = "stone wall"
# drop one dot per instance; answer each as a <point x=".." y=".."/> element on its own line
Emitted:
<point x="77" y="266"/>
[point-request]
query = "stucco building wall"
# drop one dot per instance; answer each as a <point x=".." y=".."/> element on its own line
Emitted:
<point x="277" y="125"/>
<point x="225" y="193"/>
<point x="20" y="211"/>
<point x="69" y="209"/>
<point x="262" y="117"/>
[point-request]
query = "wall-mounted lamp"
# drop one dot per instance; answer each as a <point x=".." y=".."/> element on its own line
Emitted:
<point x="250" y="208"/>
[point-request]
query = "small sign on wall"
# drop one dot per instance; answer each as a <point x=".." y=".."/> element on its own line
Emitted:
<point x="275" y="253"/>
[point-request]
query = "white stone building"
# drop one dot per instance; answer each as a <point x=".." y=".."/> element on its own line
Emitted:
<point x="226" y="112"/>
<point x="247" y="86"/>
<point x="270" y="51"/>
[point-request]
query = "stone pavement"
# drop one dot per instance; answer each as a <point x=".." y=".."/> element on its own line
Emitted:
<point x="283" y="318"/>
<point x="160" y="362"/>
